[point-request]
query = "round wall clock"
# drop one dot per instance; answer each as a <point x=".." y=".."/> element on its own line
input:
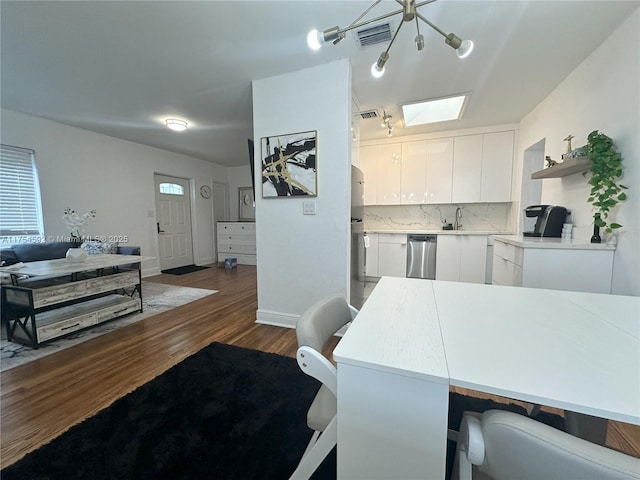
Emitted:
<point x="205" y="191"/>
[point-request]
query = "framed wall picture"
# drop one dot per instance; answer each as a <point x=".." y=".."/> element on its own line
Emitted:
<point x="289" y="165"/>
<point x="246" y="205"/>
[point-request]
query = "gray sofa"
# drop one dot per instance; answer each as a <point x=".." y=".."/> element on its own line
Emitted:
<point x="34" y="252"/>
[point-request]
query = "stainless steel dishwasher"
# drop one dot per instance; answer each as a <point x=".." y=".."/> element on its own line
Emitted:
<point x="421" y="256"/>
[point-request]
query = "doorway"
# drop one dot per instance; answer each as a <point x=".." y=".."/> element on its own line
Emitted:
<point x="220" y="208"/>
<point x="531" y="190"/>
<point x="173" y="221"/>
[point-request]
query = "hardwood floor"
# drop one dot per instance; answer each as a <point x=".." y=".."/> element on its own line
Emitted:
<point x="44" y="398"/>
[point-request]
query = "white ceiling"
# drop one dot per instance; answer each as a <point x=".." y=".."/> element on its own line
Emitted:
<point x="120" y="68"/>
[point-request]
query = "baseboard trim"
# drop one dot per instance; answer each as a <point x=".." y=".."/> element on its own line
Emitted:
<point x="206" y="261"/>
<point x="276" y="319"/>
<point x="150" y="272"/>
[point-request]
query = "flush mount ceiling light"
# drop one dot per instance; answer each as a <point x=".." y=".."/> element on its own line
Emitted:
<point x="176" y="125"/>
<point x="434" y="110"/>
<point x="409" y="13"/>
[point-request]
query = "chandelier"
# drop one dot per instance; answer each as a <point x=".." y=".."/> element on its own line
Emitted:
<point x="409" y="13"/>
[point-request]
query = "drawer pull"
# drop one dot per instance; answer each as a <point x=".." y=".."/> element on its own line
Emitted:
<point x="70" y="326"/>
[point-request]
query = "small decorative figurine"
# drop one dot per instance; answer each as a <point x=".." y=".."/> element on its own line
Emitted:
<point x="550" y="163"/>
<point x="568" y="140"/>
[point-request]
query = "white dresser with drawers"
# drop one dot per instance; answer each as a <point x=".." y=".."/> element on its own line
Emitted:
<point x="237" y="240"/>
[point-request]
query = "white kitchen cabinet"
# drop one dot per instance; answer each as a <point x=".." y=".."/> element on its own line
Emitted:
<point x="551" y="264"/>
<point x="392" y="255"/>
<point x="371" y="256"/>
<point x="439" y="175"/>
<point x="389" y="174"/>
<point x="447" y="258"/>
<point x="482" y="167"/>
<point x="467" y="169"/>
<point x="369" y="167"/>
<point x="462" y="169"/>
<point x="497" y="166"/>
<point x="473" y="258"/>
<point x="414" y="173"/>
<point x="461" y="258"/>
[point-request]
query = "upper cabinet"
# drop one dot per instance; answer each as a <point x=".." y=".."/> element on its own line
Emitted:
<point x="439" y="170"/>
<point x="461" y="169"/>
<point x="482" y="168"/>
<point x="467" y="169"/>
<point x="497" y="166"/>
<point x="414" y="172"/>
<point x="369" y="167"/>
<point x="389" y="173"/>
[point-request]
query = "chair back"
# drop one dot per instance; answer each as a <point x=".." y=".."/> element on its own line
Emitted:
<point x="520" y="447"/>
<point x="320" y="321"/>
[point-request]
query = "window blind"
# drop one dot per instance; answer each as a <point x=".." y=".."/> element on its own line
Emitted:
<point x="20" y="205"/>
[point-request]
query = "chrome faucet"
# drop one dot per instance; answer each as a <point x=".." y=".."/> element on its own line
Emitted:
<point x="458" y="225"/>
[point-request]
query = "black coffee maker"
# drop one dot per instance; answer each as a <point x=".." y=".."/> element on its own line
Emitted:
<point x="549" y="220"/>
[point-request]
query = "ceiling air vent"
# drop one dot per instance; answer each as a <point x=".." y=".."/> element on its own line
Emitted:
<point x="368" y="114"/>
<point x="373" y="35"/>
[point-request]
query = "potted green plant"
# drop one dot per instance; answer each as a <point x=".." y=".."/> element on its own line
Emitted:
<point x="606" y="192"/>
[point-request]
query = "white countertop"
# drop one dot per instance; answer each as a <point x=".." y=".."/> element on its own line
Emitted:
<point x="551" y="243"/>
<point x="569" y="350"/>
<point x="549" y="347"/>
<point x="437" y="232"/>
<point x="401" y="336"/>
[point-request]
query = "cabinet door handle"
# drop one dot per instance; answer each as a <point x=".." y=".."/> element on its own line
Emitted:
<point x="158" y="225"/>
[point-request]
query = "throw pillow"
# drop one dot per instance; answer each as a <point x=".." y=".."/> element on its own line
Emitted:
<point x="95" y="247"/>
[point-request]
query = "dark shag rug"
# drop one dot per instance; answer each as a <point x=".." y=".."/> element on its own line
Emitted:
<point x="183" y="270"/>
<point x="225" y="412"/>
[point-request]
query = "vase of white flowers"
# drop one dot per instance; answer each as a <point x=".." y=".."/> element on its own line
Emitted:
<point x="76" y="223"/>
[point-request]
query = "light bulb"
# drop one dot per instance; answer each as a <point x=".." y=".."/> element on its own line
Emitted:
<point x="375" y="71"/>
<point x="314" y="40"/>
<point x="465" y="49"/>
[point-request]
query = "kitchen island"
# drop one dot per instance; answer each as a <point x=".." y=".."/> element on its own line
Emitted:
<point x="414" y="338"/>
<point x="552" y="263"/>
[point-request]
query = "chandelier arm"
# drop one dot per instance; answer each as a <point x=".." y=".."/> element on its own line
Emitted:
<point x="394" y="37"/>
<point x="427" y="2"/>
<point x="363" y="14"/>
<point x="367" y="22"/>
<point x="417" y="25"/>
<point x="341" y="35"/>
<point x="431" y="25"/>
<point x="418" y="5"/>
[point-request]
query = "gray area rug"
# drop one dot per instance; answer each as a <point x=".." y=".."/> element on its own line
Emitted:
<point x="156" y="298"/>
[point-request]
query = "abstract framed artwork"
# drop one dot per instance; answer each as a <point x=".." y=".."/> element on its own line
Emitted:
<point x="289" y="165"/>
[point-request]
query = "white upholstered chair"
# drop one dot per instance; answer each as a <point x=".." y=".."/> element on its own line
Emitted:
<point x="502" y="445"/>
<point x="313" y="329"/>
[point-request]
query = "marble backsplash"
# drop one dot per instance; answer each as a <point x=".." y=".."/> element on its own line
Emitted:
<point x="490" y="217"/>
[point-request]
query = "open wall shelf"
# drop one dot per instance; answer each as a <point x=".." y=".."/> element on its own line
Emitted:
<point x="568" y="167"/>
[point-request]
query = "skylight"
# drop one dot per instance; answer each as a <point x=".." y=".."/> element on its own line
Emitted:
<point x="434" y="110"/>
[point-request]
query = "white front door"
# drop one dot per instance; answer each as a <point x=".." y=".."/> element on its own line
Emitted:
<point x="173" y="220"/>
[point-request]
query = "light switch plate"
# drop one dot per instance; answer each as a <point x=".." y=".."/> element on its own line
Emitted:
<point x="309" y="208"/>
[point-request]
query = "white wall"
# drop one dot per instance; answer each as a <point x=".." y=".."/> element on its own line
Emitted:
<point x="85" y="170"/>
<point x="600" y="94"/>
<point x="304" y="258"/>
